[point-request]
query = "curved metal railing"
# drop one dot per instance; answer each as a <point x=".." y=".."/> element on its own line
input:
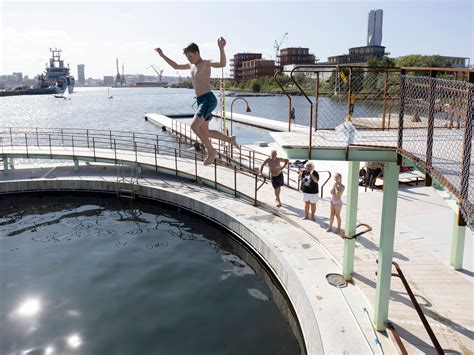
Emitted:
<point x="113" y="145"/>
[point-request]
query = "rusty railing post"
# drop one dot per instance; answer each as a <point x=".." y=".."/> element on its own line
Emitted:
<point x="401" y="107"/>
<point x="431" y="115"/>
<point x="384" y="99"/>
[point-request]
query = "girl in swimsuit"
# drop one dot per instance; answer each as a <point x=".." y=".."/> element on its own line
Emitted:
<point x="336" y="203"/>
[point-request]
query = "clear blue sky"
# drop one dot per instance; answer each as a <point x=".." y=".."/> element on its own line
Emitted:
<point x="95" y="33"/>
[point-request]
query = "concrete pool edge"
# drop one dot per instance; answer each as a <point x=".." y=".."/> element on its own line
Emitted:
<point x="282" y="271"/>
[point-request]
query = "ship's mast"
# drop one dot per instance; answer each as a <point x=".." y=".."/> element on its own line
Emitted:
<point x="56" y="57"/>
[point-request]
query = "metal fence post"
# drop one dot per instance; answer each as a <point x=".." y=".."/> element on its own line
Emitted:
<point x="401" y="108"/>
<point x="256" y="184"/>
<point x="176" y="161"/>
<point x="431" y="115"/>
<point x="467" y="151"/>
<point x="115" y="152"/>
<point x="235" y="180"/>
<point x="93" y="146"/>
<point x="26" y="143"/>
<point x="215" y="174"/>
<point x="195" y="166"/>
<point x="384" y="99"/>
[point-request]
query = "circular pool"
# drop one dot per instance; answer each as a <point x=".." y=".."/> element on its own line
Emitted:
<point x="88" y="275"/>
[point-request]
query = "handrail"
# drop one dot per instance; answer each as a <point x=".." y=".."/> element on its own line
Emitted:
<point x="355" y="236"/>
<point x="418" y="309"/>
<point x="391" y="328"/>
<point x="325" y="182"/>
<point x="322" y="186"/>
<point x="107" y="141"/>
<point x="438" y="69"/>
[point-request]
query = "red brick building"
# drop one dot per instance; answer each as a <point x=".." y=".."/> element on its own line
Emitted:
<point x="257" y="68"/>
<point x="236" y="63"/>
<point x="295" y="55"/>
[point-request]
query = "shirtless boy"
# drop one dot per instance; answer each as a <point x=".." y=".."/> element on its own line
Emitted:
<point x="276" y="172"/>
<point x="207" y="101"/>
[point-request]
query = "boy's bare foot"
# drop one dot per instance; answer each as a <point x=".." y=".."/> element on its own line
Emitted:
<point x="278" y="204"/>
<point x="313" y="218"/>
<point x="233" y="141"/>
<point x="305" y="218"/>
<point x="210" y="158"/>
<point x="329" y="229"/>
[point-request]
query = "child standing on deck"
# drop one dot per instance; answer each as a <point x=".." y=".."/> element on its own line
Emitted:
<point x="336" y="203"/>
<point x="206" y="100"/>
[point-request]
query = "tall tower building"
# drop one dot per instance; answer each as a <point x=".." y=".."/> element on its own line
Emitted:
<point x="374" y="33"/>
<point x="81" y="77"/>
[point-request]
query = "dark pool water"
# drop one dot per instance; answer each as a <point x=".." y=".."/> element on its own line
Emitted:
<point x="83" y="275"/>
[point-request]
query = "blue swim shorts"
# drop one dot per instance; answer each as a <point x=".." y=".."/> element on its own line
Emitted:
<point x="206" y="104"/>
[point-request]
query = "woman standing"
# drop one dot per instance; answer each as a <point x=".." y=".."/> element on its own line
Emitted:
<point x="336" y="203"/>
<point x="309" y="185"/>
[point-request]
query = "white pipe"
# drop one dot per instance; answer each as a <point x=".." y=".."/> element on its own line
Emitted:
<point x="355" y="320"/>
<point x="377" y="341"/>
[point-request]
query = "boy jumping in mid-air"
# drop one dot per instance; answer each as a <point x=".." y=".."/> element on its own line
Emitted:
<point x="207" y="101"/>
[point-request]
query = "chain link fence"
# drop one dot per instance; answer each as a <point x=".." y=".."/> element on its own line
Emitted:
<point x="428" y="118"/>
<point x="437" y="133"/>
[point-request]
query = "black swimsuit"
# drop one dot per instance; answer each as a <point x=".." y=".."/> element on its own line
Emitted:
<point x="278" y="181"/>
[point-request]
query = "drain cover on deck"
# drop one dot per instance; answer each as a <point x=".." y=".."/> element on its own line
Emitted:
<point x="336" y="280"/>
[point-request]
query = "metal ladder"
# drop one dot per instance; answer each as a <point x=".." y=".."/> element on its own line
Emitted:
<point x="125" y="186"/>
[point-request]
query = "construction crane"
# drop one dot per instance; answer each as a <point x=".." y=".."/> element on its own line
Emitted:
<point x="277" y="46"/>
<point x="158" y="72"/>
<point x="123" y="75"/>
<point x="119" y="79"/>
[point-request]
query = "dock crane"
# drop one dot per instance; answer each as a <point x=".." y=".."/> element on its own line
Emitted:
<point x="158" y="71"/>
<point x="119" y="79"/>
<point x="277" y="46"/>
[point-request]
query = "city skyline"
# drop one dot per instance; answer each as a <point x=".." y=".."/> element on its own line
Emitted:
<point x="130" y="31"/>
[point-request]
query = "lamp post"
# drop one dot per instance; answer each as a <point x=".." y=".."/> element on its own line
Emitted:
<point x="231" y="105"/>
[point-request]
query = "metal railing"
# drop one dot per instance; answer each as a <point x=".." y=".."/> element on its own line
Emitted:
<point x="418" y="309"/>
<point x="356" y="235"/>
<point x="120" y="147"/>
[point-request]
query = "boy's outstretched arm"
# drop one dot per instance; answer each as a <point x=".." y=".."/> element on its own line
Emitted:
<point x="222" y="62"/>
<point x="171" y="62"/>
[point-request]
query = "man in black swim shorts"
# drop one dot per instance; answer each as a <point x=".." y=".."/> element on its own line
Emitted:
<point x="276" y="172"/>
